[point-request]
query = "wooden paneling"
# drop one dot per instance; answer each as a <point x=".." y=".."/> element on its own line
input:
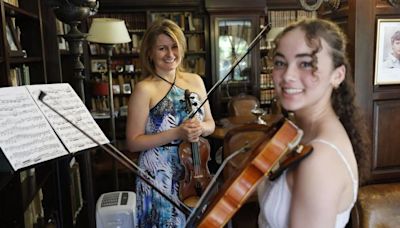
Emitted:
<point x="386" y="142"/>
<point x="381" y="104"/>
<point x="235" y="5"/>
<point x="385" y="162"/>
<point x="120" y="4"/>
<point x="283" y="4"/>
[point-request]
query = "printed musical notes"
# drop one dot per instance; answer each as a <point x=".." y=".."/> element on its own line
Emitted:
<point x="29" y="129"/>
<point x="26" y="138"/>
<point x="63" y="98"/>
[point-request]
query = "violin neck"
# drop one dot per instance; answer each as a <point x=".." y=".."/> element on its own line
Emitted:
<point x="195" y="153"/>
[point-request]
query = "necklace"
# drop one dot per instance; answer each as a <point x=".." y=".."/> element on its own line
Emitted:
<point x="171" y="83"/>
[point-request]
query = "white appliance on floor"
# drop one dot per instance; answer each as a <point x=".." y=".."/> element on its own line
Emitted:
<point x="116" y="210"/>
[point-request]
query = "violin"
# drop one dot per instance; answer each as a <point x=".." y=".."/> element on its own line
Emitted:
<point x="194" y="157"/>
<point x="270" y="153"/>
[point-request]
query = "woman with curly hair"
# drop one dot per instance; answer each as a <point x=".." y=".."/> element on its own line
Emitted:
<point x="313" y="81"/>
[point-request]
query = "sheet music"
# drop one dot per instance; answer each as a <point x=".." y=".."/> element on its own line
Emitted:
<point x="63" y="98"/>
<point x="26" y="137"/>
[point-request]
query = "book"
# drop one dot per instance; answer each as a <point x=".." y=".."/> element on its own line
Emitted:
<point x="32" y="133"/>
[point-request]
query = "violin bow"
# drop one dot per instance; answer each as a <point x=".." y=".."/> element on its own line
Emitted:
<point x="253" y="43"/>
<point x="123" y="159"/>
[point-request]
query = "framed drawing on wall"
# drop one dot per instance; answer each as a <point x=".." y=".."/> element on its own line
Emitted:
<point x="387" y="56"/>
<point x="13" y="44"/>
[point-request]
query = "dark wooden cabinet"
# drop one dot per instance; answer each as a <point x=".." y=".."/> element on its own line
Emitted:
<point x="233" y="25"/>
<point x="22" y="61"/>
<point x="379" y="102"/>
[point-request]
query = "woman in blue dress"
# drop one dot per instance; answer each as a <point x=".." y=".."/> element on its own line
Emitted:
<point x="157" y="121"/>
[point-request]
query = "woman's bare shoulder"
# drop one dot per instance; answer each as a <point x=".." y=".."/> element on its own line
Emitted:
<point x="145" y="85"/>
<point x="187" y="76"/>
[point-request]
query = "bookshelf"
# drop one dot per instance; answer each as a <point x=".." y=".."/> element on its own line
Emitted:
<point x="23" y="62"/>
<point x="233" y="26"/>
<point x="278" y="19"/>
<point x="126" y="66"/>
<point x="34" y="196"/>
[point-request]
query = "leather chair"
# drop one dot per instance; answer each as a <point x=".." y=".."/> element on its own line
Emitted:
<point x="242" y="104"/>
<point x="377" y="206"/>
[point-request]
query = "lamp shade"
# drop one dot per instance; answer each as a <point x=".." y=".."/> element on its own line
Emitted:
<point x="108" y="31"/>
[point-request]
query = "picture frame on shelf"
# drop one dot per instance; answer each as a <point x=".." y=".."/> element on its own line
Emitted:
<point x="387" y="56"/>
<point x="13" y="44"/>
<point x="99" y="65"/>
<point x="62" y="44"/>
<point x="126" y="88"/>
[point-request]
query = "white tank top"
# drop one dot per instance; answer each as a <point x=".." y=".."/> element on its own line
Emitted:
<point x="274" y="199"/>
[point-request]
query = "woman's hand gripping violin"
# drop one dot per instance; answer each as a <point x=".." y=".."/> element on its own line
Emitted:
<point x="194" y="157"/>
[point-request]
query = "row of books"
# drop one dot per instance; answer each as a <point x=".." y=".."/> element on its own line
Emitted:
<point x="62" y="29"/>
<point x="195" y="64"/>
<point x="125" y="48"/>
<point x="266" y="96"/>
<point x="12" y="2"/>
<point x="134" y="22"/>
<point x="195" y="42"/>
<point x="266" y="81"/>
<point x="19" y="76"/>
<point x="75" y="189"/>
<point x="281" y="18"/>
<point x="34" y="213"/>
<point x="100" y="107"/>
<point x="185" y="20"/>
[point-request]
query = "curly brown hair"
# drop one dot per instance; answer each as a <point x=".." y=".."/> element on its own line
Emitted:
<point x="343" y="97"/>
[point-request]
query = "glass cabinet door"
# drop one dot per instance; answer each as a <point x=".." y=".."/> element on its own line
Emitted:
<point x="231" y="37"/>
<point x="234" y="37"/>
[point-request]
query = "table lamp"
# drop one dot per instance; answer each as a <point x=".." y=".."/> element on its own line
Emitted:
<point x="108" y="32"/>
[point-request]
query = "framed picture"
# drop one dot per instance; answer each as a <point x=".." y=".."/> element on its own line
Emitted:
<point x="126" y="88"/>
<point x="13" y="44"/>
<point x="387" y="56"/>
<point x="99" y="65"/>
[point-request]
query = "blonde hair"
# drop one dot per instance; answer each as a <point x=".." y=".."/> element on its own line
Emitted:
<point x="166" y="27"/>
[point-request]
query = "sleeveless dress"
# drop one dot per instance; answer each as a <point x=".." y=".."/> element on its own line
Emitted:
<point x="162" y="163"/>
<point x="274" y="198"/>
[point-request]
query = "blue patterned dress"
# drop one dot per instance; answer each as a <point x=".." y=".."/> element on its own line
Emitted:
<point x="163" y="164"/>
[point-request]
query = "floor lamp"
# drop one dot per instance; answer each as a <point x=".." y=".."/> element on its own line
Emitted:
<point x="108" y="32"/>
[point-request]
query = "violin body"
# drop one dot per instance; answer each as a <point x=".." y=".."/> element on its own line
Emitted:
<point x="194" y="158"/>
<point x="197" y="175"/>
<point x="278" y="144"/>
